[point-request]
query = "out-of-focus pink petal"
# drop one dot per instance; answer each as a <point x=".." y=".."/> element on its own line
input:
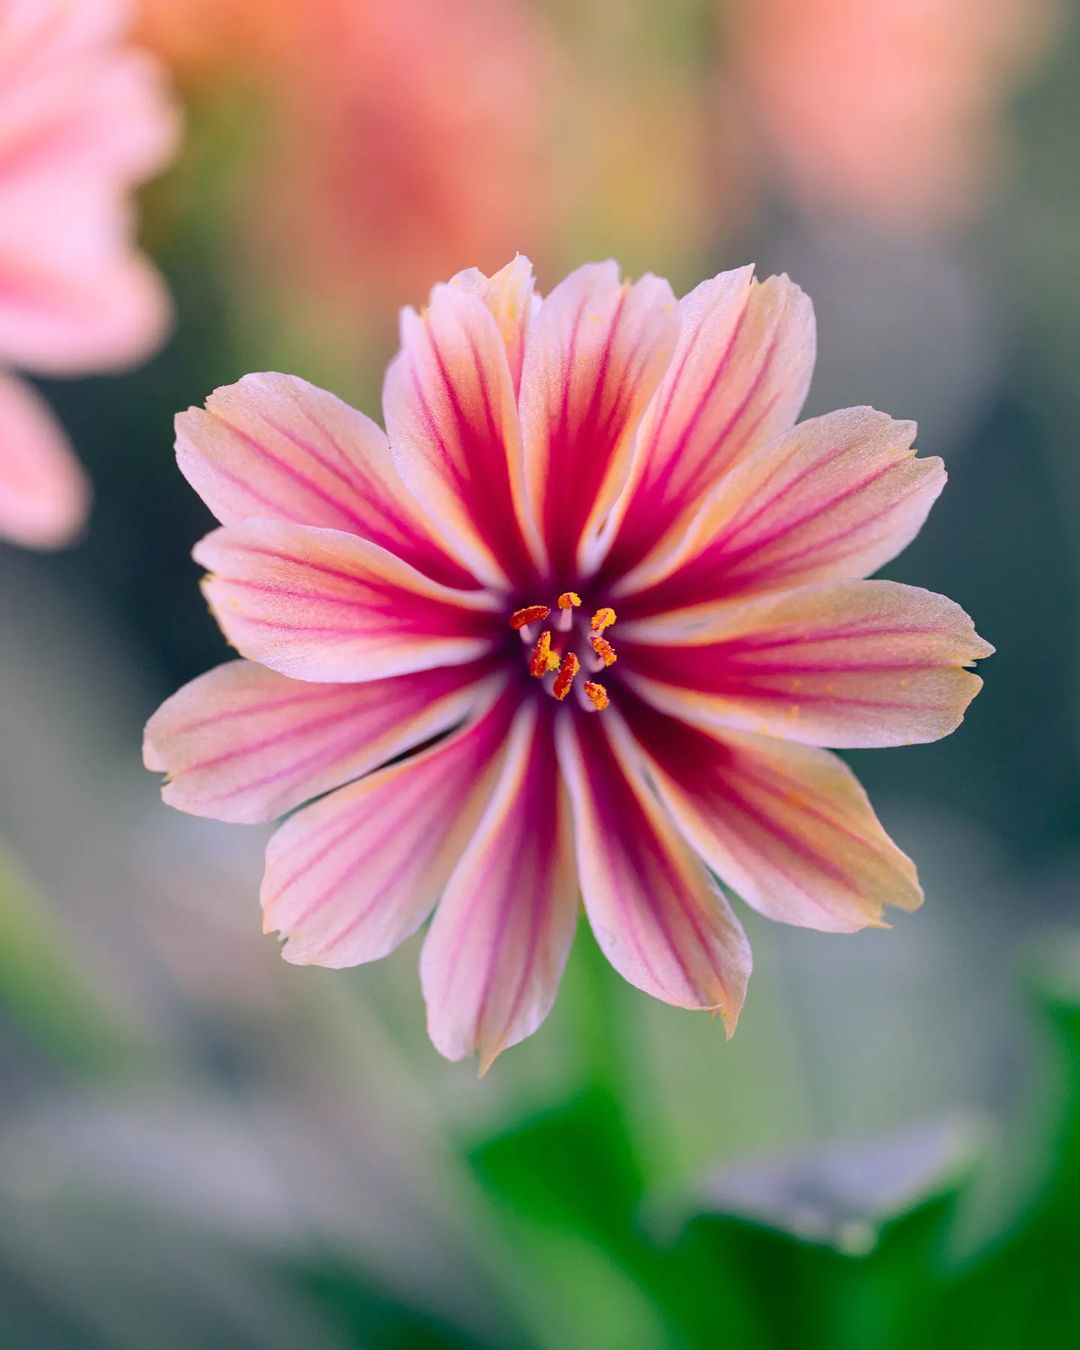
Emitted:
<point x="510" y="296"/>
<point x="786" y="826"/>
<point x="275" y="447"/>
<point x="596" y="352"/>
<point x="849" y="663"/>
<point x="497" y="946"/>
<point x="350" y="877"/>
<point x="452" y="419"/>
<point x="243" y="743"/>
<point x="738" y="379"/>
<point x="322" y="605"/>
<point x="657" y="916"/>
<point x="44" y="495"/>
<point x="836" y="497"/>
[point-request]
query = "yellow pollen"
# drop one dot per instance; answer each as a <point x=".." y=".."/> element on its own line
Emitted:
<point x="596" y="694"/>
<point x="541" y="655"/>
<point x="603" y="618"/>
<point x="565" y="678"/>
<point x="530" y="614"/>
<point x="569" y="600"/>
<point x="604" y="650"/>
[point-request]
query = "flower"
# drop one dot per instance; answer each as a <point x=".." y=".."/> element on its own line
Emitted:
<point x="82" y="118"/>
<point x="579" y="622"/>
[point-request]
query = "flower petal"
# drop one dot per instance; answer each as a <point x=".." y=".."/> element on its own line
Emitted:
<point x="850" y="663"/>
<point x="350" y="877"/>
<point x="836" y="497"/>
<point x="597" y="350"/>
<point x="496" y="949"/>
<point x="276" y="447"/>
<point x="452" y="418"/>
<point x="509" y="295"/>
<point x="738" y="378"/>
<point x="44" y="494"/>
<point x="786" y="826"/>
<point x="323" y="605"/>
<point x="657" y="916"/>
<point x="243" y="743"/>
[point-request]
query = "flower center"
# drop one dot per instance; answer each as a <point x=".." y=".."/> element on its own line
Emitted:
<point x="559" y="651"/>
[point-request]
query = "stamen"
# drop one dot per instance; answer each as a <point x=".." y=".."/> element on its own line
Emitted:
<point x="567" y="602"/>
<point x="603" y="618"/>
<point x="530" y="614"/>
<point x="604" y="650"/>
<point x="565" y="678"/>
<point x="541" y="653"/>
<point x="597" y="695"/>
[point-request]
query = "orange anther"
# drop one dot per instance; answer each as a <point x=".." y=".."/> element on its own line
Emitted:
<point x="604" y="650"/>
<point x="603" y="618"/>
<point x="538" y="662"/>
<point x="569" y="600"/>
<point x="596" y="694"/>
<point x="530" y="614"/>
<point x="565" y="678"/>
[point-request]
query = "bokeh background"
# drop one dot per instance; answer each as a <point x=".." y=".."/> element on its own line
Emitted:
<point x="203" y="1146"/>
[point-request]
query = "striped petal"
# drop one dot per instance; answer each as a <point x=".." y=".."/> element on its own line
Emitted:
<point x="836" y="497"/>
<point x="786" y="826"/>
<point x="275" y="447"/>
<point x="44" y="495"/>
<point x="851" y="663"/>
<point x="656" y="914"/>
<point x="243" y="743"/>
<point x="509" y="294"/>
<point x="352" y="876"/>
<point x="597" y="350"/>
<point x="496" y="949"/>
<point x="452" y="419"/>
<point x="322" y="605"/>
<point x="738" y="378"/>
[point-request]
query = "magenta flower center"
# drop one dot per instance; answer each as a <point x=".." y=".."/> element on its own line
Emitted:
<point x="560" y="648"/>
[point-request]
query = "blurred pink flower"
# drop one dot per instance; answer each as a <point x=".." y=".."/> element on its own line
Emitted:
<point x="580" y="620"/>
<point x="82" y="119"/>
<point x="886" y="107"/>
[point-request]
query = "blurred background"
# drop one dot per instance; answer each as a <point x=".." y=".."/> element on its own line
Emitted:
<point x="203" y="1146"/>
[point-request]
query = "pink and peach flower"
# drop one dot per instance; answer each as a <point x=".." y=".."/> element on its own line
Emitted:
<point x="576" y="627"/>
<point x="82" y="119"/>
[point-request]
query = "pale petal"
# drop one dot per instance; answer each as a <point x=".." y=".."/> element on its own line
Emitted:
<point x="243" y="743"/>
<point x="836" y="497"/>
<point x="44" y="494"/>
<point x="738" y="378"/>
<point x="510" y="296"/>
<point x="350" y="877"/>
<point x="323" y="605"/>
<point x="850" y="663"/>
<point x="497" y="946"/>
<point x="452" y="419"/>
<point x="657" y="916"/>
<point x="597" y="350"/>
<point x="276" y="447"/>
<point x="785" y="826"/>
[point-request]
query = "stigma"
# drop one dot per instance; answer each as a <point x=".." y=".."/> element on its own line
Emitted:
<point x="559" y="653"/>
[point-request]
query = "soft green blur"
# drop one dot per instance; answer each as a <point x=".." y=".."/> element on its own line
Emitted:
<point x="203" y="1146"/>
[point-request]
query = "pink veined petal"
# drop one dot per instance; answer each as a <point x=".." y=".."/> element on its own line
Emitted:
<point x="44" y="493"/>
<point x="243" y="743"/>
<point x="849" y="663"/>
<point x="738" y="378"/>
<point x="352" y="876"/>
<point x="788" y="827"/>
<point x="659" y="919"/>
<point x="275" y="447"/>
<point x="327" y="606"/>
<point x="509" y="294"/>
<point x="596" y="352"/>
<point x="834" y="498"/>
<point x="496" y="949"/>
<point x="452" y="418"/>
